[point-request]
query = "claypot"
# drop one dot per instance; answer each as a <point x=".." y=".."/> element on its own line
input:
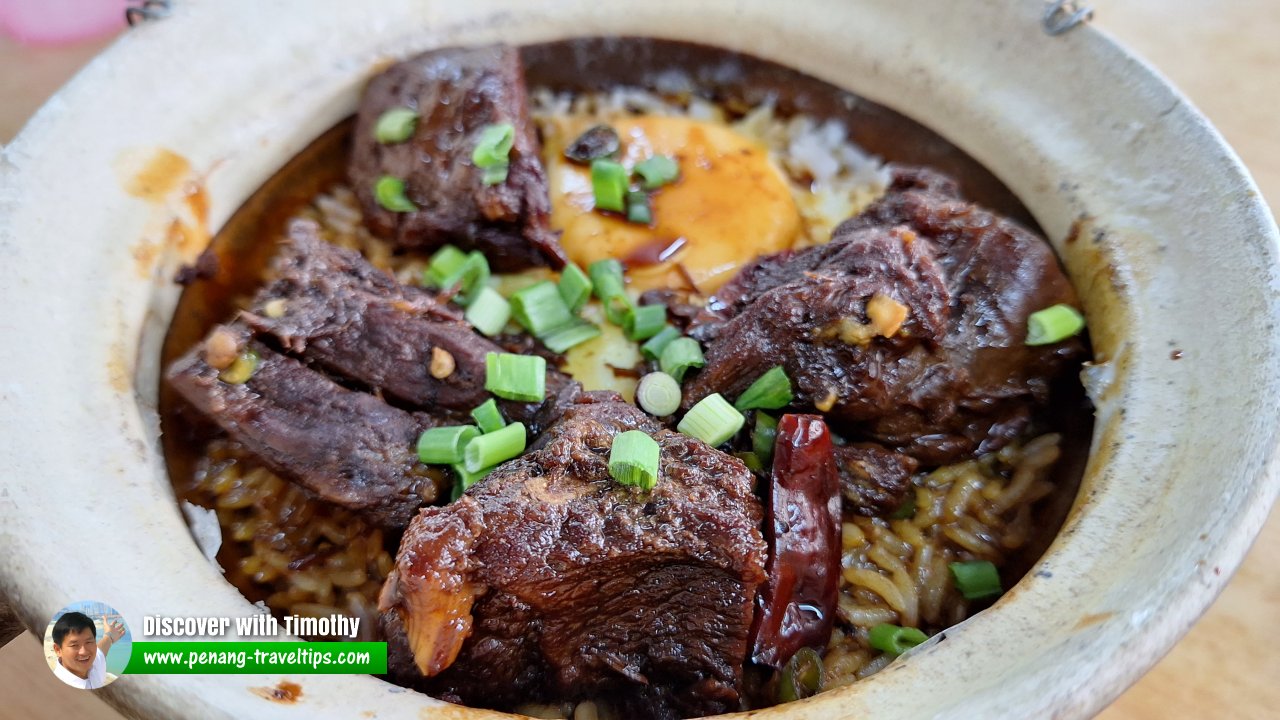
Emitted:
<point x="1161" y="229"/>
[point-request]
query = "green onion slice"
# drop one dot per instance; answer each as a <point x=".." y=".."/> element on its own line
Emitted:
<point x="658" y="394"/>
<point x="574" y="286"/>
<point x="516" y="377"/>
<point x="1053" y="324"/>
<point x="644" y="321"/>
<point x="492" y="448"/>
<point x="653" y="348"/>
<point x="751" y="460"/>
<point x="445" y="262"/>
<point x="489" y="312"/>
<point x="395" y="125"/>
<point x="801" y="677"/>
<point x="895" y="640"/>
<point x="488" y="417"/>
<point x="713" y="420"/>
<point x="540" y="309"/>
<point x="493" y="148"/>
<point x="465" y="479"/>
<point x="634" y="459"/>
<point x="444" y="445"/>
<point x="569" y="336"/>
<point x="609" y="184"/>
<point x="389" y="192"/>
<point x="639" y="210"/>
<point x="608" y="285"/>
<point x="469" y="279"/>
<point x="763" y="437"/>
<point x="495" y="175"/>
<point x="679" y="355"/>
<point x="658" y="171"/>
<point x="243" y="368"/>
<point x="976" y="579"/>
<point x="770" y="391"/>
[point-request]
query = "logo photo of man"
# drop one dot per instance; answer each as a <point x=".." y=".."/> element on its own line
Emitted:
<point x="79" y="649"/>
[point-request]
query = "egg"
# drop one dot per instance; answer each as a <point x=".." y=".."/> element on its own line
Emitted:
<point x="730" y="204"/>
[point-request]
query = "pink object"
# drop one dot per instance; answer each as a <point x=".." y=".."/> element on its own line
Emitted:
<point x="52" y="22"/>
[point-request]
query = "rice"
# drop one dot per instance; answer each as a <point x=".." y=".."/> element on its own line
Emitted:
<point x="308" y="558"/>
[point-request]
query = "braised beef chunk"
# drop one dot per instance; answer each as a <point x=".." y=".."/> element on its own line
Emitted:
<point x="874" y="481"/>
<point x="457" y="92"/>
<point x="349" y="448"/>
<point x="548" y="581"/>
<point x="329" y="305"/>
<point x="907" y="329"/>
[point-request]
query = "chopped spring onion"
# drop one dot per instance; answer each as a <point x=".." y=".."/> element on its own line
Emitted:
<point x="493" y="152"/>
<point x="575" y="287"/>
<point x="658" y="394"/>
<point x="492" y="448"/>
<point x="801" y="677"/>
<point x="763" y="437"/>
<point x="976" y="579"/>
<point x="488" y="417"/>
<point x="608" y="285"/>
<point x="241" y="369"/>
<point x="495" y="175"/>
<point x="465" y="479"/>
<point x="395" y="125"/>
<point x="389" y="192"/>
<point x="639" y="210"/>
<point x="571" y="335"/>
<point x="770" y="391"/>
<point x="609" y="184"/>
<point x="1053" y="324"/>
<point x="445" y="262"/>
<point x="658" y="171"/>
<point x="444" y="445"/>
<point x="751" y="460"/>
<point x="679" y="355"/>
<point x="516" y="377"/>
<point x="895" y="640"/>
<point x="653" y="348"/>
<point x="907" y="509"/>
<point x="597" y="142"/>
<point x="489" y="312"/>
<point x="540" y="309"/>
<point x="644" y="321"/>
<point x="469" y="279"/>
<point x="634" y="459"/>
<point x="713" y="420"/>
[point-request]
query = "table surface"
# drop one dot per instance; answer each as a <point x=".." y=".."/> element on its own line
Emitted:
<point x="1225" y="56"/>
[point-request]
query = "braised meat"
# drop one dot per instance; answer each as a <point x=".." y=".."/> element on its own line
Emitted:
<point x="873" y="481"/>
<point x="330" y="306"/>
<point x="548" y="581"/>
<point x="907" y="329"/>
<point x="457" y="92"/>
<point x="349" y="448"/>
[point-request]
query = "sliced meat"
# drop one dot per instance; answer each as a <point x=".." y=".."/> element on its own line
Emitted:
<point x="347" y="447"/>
<point x="579" y="588"/>
<point x="873" y="481"/>
<point x="907" y="329"/>
<point x="457" y="92"/>
<point x="329" y="305"/>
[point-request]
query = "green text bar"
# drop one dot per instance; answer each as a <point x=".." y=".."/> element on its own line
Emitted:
<point x="255" y="658"/>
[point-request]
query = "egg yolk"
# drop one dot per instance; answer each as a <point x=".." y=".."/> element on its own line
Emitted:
<point x="729" y="205"/>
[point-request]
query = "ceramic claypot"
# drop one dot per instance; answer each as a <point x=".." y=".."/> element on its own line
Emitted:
<point x="1159" y="226"/>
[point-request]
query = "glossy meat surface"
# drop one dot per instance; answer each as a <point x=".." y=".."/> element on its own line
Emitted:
<point x="585" y="589"/>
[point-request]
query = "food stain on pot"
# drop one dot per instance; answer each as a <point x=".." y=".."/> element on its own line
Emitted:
<point x="166" y="179"/>
<point x="285" y="692"/>
<point x="1093" y="619"/>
